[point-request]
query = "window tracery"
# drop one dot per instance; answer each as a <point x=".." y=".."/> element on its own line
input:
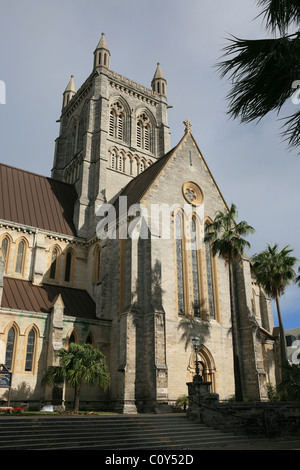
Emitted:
<point x="10" y="348"/>
<point x="117" y="121"/>
<point x="5" y="249"/>
<point x="31" y="340"/>
<point x="195" y="269"/>
<point x="143" y="132"/>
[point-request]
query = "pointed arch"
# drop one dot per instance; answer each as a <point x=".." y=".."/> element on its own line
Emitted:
<point x="145" y="129"/>
<point x="20" y="255"/>
<point x="188" y="247"/>
<point x="127" y="163"/>
<point x="142" y="165"/>
<point x="54" y="263"/>
<point x="119" y="112"/>
<point x="206" y="365"/>
<point x="72" y="337"/>
<point x="89" y="339"/>
<point x="196" y="272"/>
<point x="211" y="279"/>
<point x="12" y="333"/>
<point x="180" y="262"/>
<point x="5" y="246"/>
<point x="121" y="160"/>
<point x="31" y="336"/>
<point x="69" y="265"/>
<point x="113" y="153"/>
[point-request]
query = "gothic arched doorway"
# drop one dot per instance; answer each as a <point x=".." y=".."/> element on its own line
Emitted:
<point x="206" y="364"/>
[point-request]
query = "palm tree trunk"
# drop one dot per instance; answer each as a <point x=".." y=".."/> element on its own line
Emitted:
<point x="283" y="354"/>
<point x="236" y="355"/>
<point x="76" y="399"/>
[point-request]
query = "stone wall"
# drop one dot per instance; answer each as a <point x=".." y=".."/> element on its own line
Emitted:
<point x="271" y="419"/>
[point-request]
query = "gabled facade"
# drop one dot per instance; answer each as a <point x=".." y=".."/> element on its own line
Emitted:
<point x="140" y="291"/>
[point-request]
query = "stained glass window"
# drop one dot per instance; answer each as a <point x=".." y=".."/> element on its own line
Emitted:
<point x="195" y="269"/>
<point x="210" y="289"/>
<point x="53" y="264"/>
<point x="30" y="350"/>
<point x="4" y="247"/>
<point x="20" y="256"/>
<point x="179" y="262"/>
<point x="10" y="348"/>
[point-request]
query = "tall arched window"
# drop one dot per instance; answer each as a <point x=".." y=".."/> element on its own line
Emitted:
<point x="5" y="247"/>
<point x="30" y="350"/>
<point x="179" y="263"/>
<point x="195" y="268"/>
<point x="143" y="132"/>
<point x="68" y="266"/>
<point x="20" y="257"/>
<point x="54" y="263"/>
<point x="210" y="280"/>
<point x="10" y="348"/>
<point x="113" y="159"/>
<point x="117" y="121"/>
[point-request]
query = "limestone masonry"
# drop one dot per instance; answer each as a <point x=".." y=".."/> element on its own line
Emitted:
<point x="140" y="300"/>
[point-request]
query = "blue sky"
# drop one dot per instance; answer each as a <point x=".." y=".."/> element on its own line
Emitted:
<point x="43" y="42"/>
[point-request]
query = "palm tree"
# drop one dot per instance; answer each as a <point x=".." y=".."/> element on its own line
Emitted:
<point x="264" y="73"/>
<point x="274" y="271"/>
<point x="225" y="238"/>
<point x="79" y="364"/>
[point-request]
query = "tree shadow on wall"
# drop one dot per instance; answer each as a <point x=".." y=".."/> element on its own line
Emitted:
<point x="192" y="326"/>
<point x="21" y="393"/>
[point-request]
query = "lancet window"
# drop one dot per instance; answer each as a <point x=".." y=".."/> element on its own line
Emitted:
<point x="117" y="121"/>
<point x="143" y="132"/>
<point x="195" y="269"/>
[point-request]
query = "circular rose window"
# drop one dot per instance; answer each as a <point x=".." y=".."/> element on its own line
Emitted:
<point x="192" y="193"/>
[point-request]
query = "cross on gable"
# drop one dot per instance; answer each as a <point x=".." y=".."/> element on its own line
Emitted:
<point x="188" y="125"/>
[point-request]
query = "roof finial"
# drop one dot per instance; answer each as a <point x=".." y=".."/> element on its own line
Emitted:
<point x="188" y="126"/>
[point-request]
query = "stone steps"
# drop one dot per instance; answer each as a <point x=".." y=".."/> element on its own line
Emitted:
<point x="110" y="432"/>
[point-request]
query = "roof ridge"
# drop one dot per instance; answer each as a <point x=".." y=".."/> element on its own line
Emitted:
<point x="34" y="173"/>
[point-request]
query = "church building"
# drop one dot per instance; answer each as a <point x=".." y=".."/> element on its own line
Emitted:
<point x="109" y="250"/>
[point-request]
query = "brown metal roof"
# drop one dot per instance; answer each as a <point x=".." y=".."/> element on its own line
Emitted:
<point x="37" y="201"/>
<point x="19" y="294"/>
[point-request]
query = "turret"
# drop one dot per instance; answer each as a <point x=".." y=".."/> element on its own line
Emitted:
<point x="69" y="92"/>
<point x="159" y="83"/>
<point x="101" y="53"/>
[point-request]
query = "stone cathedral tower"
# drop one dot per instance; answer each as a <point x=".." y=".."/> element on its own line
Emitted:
<point x="111" y="129"/>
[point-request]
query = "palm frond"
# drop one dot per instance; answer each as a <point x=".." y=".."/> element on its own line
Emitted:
<point x="262" y="72"/>
<point x="291" y="130"/>
<point x="280" y="13"/>
<point x="225" y="236"/>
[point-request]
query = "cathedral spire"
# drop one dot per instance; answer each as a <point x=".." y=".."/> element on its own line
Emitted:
<point x="101" y="53"/>
<point x="69" y="92"/>
<point x="159" y="83"/>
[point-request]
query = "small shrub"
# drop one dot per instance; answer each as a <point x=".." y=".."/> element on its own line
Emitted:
<point x="182" y="402"/>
